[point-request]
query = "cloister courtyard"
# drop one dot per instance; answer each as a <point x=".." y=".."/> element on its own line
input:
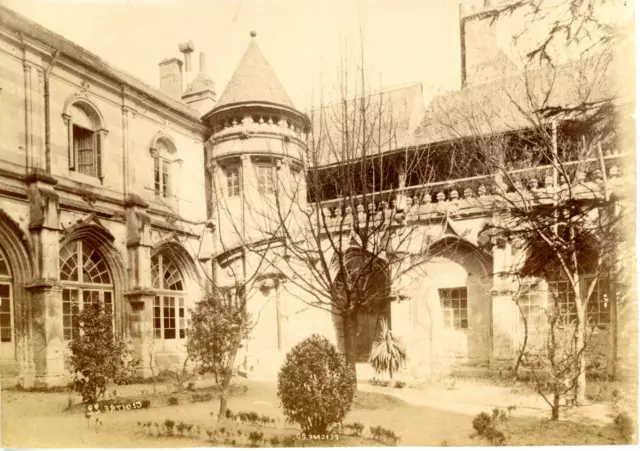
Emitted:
<point x="435" y="414"/>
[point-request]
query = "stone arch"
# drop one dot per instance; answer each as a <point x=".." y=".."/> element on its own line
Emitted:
<point x="175" y="283"/>
<point x="375" y="285"/>
<point x="17" y="250"/>
<point x="88" y="107"/>
<point x="452" y="304"/>
<point x="100" y="239"/>
<point x="181" y="257"/>
<point x="450" y="244"/>
<point x="162" y="138"/>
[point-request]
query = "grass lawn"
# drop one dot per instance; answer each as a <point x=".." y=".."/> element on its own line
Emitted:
<point x="45" y="420"/>
<point x="529" y="432"/>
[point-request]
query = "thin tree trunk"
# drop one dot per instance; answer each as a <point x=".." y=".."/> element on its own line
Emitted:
<point x="523" y="348"/>
<point x="347" y="330"/>
<point x="581" y="382"/>
<point x="581" y="376"/>
<point x="555" y="409"/>
<point x="224" y="392"/>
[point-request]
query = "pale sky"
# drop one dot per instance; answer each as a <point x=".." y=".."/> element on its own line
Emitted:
<point x="405" y="41"/>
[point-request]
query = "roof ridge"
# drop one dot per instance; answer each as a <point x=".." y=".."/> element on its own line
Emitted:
<point x="391" y="89"/>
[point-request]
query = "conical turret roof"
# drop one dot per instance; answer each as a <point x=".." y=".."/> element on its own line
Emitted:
<point x="254" y="82"/>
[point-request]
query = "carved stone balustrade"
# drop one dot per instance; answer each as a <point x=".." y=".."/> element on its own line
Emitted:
<point x="483" y="194"/>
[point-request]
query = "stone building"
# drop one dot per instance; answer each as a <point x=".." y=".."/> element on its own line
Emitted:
<point x="142" y="199"/>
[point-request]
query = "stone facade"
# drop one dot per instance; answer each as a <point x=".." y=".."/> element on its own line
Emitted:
<point x="142" y="200"/>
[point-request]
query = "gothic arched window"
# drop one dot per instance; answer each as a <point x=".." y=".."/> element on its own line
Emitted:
<point x="6" y="303"/>
<point x="85" y="281"/>
<point x="169" y="303"/>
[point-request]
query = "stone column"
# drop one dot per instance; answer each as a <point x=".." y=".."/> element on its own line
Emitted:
<point x="47" y="339"/>
<point x="140" y="295"/>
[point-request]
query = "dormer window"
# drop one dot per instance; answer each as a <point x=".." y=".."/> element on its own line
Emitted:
<point x="233" y="181"/>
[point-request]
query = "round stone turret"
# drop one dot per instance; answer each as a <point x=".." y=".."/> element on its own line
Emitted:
<point x="255" y="106"/>
<point x="255" y="152"/>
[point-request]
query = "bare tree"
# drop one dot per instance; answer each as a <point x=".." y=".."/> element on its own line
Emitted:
<point x="559" y="124"/>
<point x="343" y="225"/>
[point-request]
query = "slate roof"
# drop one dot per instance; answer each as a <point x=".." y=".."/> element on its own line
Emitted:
<point x="254" y="82"/>
<point x="509" y="103"/>
<point x="391" y="119"/>
<point x="201" y="83"/>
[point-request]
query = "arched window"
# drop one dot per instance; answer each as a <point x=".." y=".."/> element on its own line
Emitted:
<point x="169" y="305"/>
<point x="6" y="304"/>
<point x="85" y="281"/>
<point x="85" y="135"/>
<point x="162" y="170"/>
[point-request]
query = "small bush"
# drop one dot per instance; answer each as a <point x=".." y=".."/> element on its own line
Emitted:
<point x="488" y="426"/>
<point x="315" y="385"/>
<point x="255" y="438"/>
<point x="356" y="427"/>
<point x="43" y="388"/>
<point x="98" y="355"/>
<point x="173" y="401"/>
<point x="400" y="384"/>
<point x="385" y="436"/>
<point x="289" y="441"/>
<point x="625" y="426"/>
<point x="168" y="425"/>
<point x="274" y="441"/>
<point x="480" y="422"/>
<point x="204" y="397"/>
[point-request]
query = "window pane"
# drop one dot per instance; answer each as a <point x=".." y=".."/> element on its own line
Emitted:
<point x="156" y="175"/>
<point x="5" y="335"/>
<point x="165" y="178"/>
<point x="84" y="143"/>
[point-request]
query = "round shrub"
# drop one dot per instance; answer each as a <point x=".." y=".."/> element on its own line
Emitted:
<point x="625" y="426"/>
<point x="315" y="385"/>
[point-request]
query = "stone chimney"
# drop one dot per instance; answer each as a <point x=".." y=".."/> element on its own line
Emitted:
<point x="186" y="48"/>
<point x="203" y="62"/>
<point x="200" y="93"/>
<point x="482" y="59"/>
<point x="171" y="77"/>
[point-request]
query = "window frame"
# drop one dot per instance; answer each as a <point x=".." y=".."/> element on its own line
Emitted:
<point x="96" y="128"/>
<point x="163" y="310"/>
<point x="81" y="287"/>
<point x="7" y="280"/>
<point x="162" y="176"/>
<point x="453" y="317"/>
<point x="567" y="318"/>
<point x="266" y="177"/>
<point x="233" y="181"/>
